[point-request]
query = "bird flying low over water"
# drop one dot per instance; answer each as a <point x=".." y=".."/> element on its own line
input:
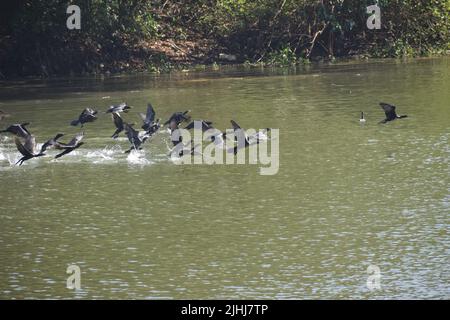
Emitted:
<point x="28" y="149"/>
<point x="215" y="135"/>
<point x="19" y="130"/>
<point x="73" y="144"/>
<point x="53" y="142"/>
<point x="205" y="125"/>
<point x="149" y="123"/>
<point x="243" y="140"/>
<point x="135" y="137"/>
<point x="389" y="110"/>
<point x="118" y="122"/>
<point x="178" y="117"/>
<point x="3" y="115"/>
<point x="123" y="107"/>
<point x="88" y="115"/>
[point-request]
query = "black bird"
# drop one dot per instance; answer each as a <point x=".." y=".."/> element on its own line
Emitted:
<point x="174" y="137"/>
<point x="53" y="142"/>
<point x="240" y="136"/>
<point x="3" y="115"/>
<point x="150" y="125"/>
<point x="205" y="125"/>
<point x="28" y="149"/>
<point x="217" y="136"/>
<point x="123" y="107"/>
<point x="88" y="115"/>
<point x="73" y="144"/>
<point x="118" y="121"/>
<point x="178" y="117"/>
<point x="389" y="110"/>
<point x="19" y="130"/>
<point x="134" y="137"/>
<point x="244" y="140"/>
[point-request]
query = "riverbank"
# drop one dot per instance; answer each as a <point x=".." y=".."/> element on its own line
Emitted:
<point x="161" y="36"/>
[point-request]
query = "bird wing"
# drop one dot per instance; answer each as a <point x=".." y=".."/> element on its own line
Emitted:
<point x="30" y="144"/>
<point x="150" y="116"/>
<point x="66" y="151"/>
<point x="21" y="148"/>
<point x="235" y="125"/>
<point x="76" y="140"/>
<point x="23" y="125"/>
<point x="238" y="131"/>
<point x="118" y="121"/>
<point x="389" y="110"/>
<point x="190" y="126"/>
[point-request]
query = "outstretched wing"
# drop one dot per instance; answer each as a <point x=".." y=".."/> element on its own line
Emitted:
<point x="66" y="151"/>
<point x="21" y="148"/>
<point x="238" y="131"/>
<point x="76" y="140"/>
<point x="389" y="110"/>
<point x="118" y="121"/>
<point x="150" y="116"/>
<point x="30" y="144"/>
<point x="235" y="125"/>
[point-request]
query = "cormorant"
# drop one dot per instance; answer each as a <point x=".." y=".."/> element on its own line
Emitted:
<point x="150" y="125"/>
<point x="28" y="149"/>
<point x="244" y="140"/>
<point x="53" y="142"/>
<point x="205" y="125"/>
<point x="88" y="115"/>
<point x="134" y="137"/>
<point x="123" y="107"/>
<point x="75" y="143"/>
<point x="118" y="121"/>
<point x="389" y="110"/>
<point x="178" y="117"/>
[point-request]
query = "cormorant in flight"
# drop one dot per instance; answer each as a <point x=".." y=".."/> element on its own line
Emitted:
<point x="73" y="144"/>
<point x="88" y="115"/>
<point x="28" y="149"/>
<point x="389" y="110"/>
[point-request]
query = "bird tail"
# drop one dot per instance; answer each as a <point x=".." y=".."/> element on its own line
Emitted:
<point x="74" y="123"/>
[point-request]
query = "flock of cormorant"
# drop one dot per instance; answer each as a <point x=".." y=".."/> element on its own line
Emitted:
<point x="26" y="142"/>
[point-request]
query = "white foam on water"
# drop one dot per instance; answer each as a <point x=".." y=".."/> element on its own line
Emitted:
<point x="104" y="155"/>
<point x="137" y="157"/>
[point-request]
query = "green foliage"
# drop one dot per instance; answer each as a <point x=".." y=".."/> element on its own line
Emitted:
<point x="34" y="38"/>
<point x="284" y="57"/>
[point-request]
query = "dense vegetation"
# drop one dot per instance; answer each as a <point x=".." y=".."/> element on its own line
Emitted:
<point x="119" y="35"/>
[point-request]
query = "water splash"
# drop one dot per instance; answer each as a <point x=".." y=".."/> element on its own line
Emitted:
<point x="104" y="155"/>
<point x="137" y="157"/>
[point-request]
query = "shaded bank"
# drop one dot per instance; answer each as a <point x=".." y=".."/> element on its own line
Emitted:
<point x="119" y="36"/>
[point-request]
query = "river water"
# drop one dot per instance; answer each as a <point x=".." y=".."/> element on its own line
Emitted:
<point x="346" y="196"/>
